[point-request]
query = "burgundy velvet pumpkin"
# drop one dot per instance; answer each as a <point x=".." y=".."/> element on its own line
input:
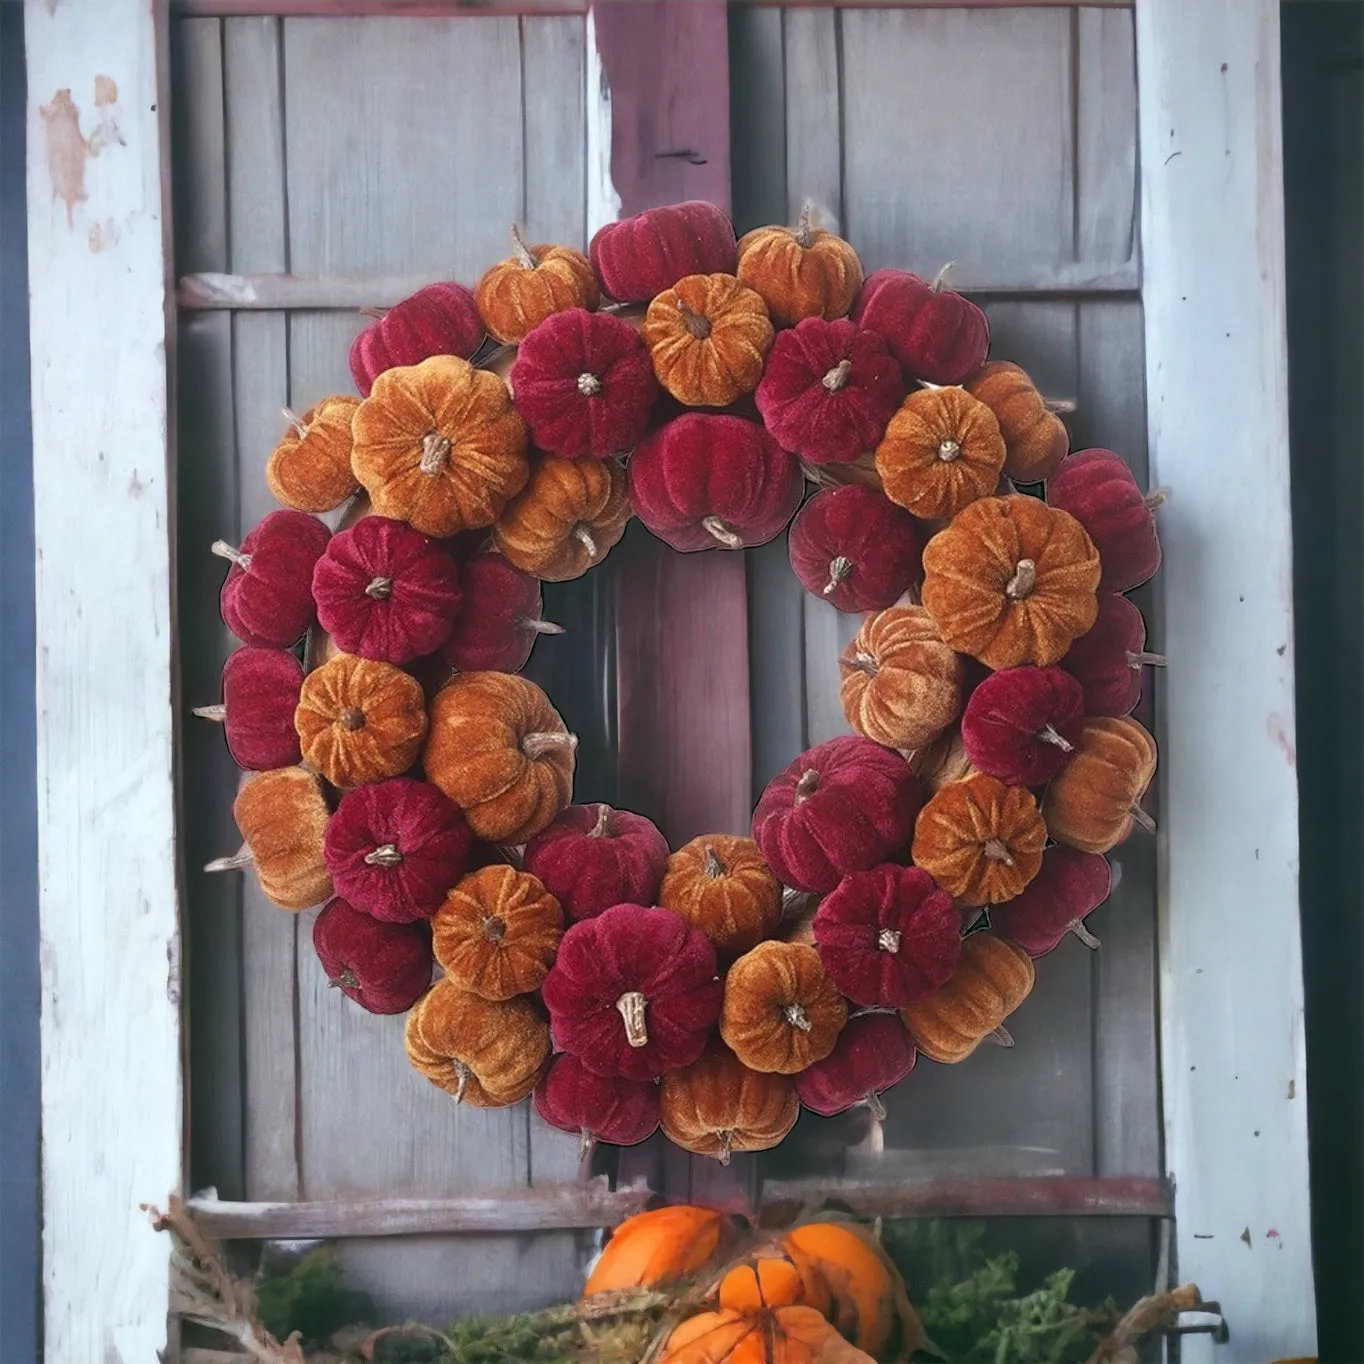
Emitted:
<point x="828" y="390"/>
<point x="593" y="857"/>
<point x="499" y="620"/>
<point x="633" y="992"/>
<point x="639" y="257"/>
<point x="1107" y="660"/>
<point x="440" y="319"/>
<point x="260" y="695"/>
<point x="855" y="548"/>
<point x="874" y="1052"/>
<point x="842" y="806"/>
<point x="383" y="967"/>
<point x="934" y="333"/>
<point x="888" y="936"/>
<point x="1098" y="489"/>
<point x="705" y="481"/>
<point x="1022" y="724"/>
<point x="267" y="596"/>
<point x="386" y="591"/>
<point x="395" y="847"/>
<point x="1071" y="885"/>
<point x="584" y="385"/>
<point x="598" y="1107"/>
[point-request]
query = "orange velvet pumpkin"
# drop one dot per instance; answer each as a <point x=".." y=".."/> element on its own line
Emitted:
<point x="360" y="720"/>
<point x="980" y="840"/>
<point x="770" y="1281"/>
<point x="502" y="753"/>
<point x="717" y="1105"/>
<point x="310" y="469"/>
<point x="1012" y="581"/>
<point x="517" y="294"/>
<point x="439" y="445"/>
<point x="708" y="337"/>
<point x="944" y="760"/>
<point x="769" y="1335"/>
<point x="660" y="1246"/>
<point x="901" y="685"/>
<point x="781" y="1012"/>
<point x="801" y="271"/>
<point x="497" y="932"/>
<point x="565" y="519"/>
<point x="942" y="450"/>
<point x="1094" y="800"/>
<point x="1035" y="438"/>
<point x="721" y="884"/>
<point x="993" y="978"/>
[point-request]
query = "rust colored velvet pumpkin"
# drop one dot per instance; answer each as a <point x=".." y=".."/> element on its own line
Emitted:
<point x="488" y="1053"/>
<point x="639" y="257"/>
<point x="792" y="1334"/>
<point x="781" y="1011"/>
<point x="439" y="445"/>
<point x="1093" y="804"/>
<point x="992" y="979"/>
<point x="934" y="333"/>
<point x="441" y="319"/>
<point x="1021" y="725"/>
<point x="800" y="272"/>
<point x="267" y="596"/>
<point x="717" y="1105"/>
<point x="901" y="685"/>
<point x="1035" y="438"/>
<point x="658" y="1247"/>
<point x="384" y="967"/>
<point x="260" y="694"/>
<point x="517" y="294"/>
<point x="500" y="618"/>
<point x="872" y="1054"/>
<point x="708" y="337"/>
<point x="309" y="469"/>
<point x="565" y="519"/>
<point x="497" y="933"/>
<point x="1012" y="581"/>
<point x="502" y="753"/>
<point x="942" y="450"/>
<point x="596" y="1107"/>
<point x="359" y="720"/>
<point x="1100" y="491"/>
<point x="1107" y="660"/>
<point x="944" y="760"/>
<point x="980" y="840"/>
<point x="722" y="885"/>
<point x="1070" y="886"/>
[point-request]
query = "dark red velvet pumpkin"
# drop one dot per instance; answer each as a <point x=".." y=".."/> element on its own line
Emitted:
<point x="855" y="548"/>
<point x="1098" y="489"/>
<point x="383" y="967"/>
<point x="1022" y="724"/>
<point x="639" y="257"/>
<point x="828" y="390"/>
<point x="1108" y="659"/>
<point x="1071" y="885"/>
<point x="395" y="847"/>
<point x="386" y="591"/>
<point x="706" y="481"/>
<point x="888" y="936"/>
<point x="584" y="385"/>
<point x="267" y="596"/>
<point x="499" y="620"/>
<point x="260" y="695"/>
<point x="440" y="319"/>
<point x="934" y="333"/>
<point x="842" y="806"/>
<point x="633" y="992"/>
<point x="593" y="857"/>
<point x="598" y="1107"/>
<point x="874" y="1052"/>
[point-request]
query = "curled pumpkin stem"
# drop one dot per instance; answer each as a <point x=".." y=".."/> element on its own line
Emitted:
<point x="525" y="257"/>
<point x="1061" y="406"/>
<point x="435" y="453"/>
<point x="582" y="533"/>
<point x="888" y="940"/>
<point x="807" y="785"/>
<point x="225" y="551"/>
<point x="600" y="829"/>
<point x="215" y="713"/>
<point x="1143" y="659"/>
<point x="721" y="532"/>
<point x="714" y="868"/>
<point x="1049" y="734"/>
<point x="586" y="1141"/>
<point x="539" y="742"/>
<point x="796" y="1016"/>
<point x="997" y="851"/>
<point x="726" y="1140"/>
<point x="1157" y="497"/>
<point x="805" y="227"/>
<point x="1146" y="821"/>
<point x="347" y="980"/>
<point x="877" y="1108"/>
<point x="837" y="377"/>
<point x="589" y="385"/>
<point x="865" y="663"/>
<point x="385" y="855"/>
<point x="1001" y="1036"/>
<point x="378" y="314"/>
<point x="941" y="277"/>
<point x="840" y="567"/>
<point x="537" y="626"/>
<point x="381" y="589"/>
<point x="696" y="323"/>
<point x="294" y="420"/>
<point x="243" y="857"/>
<point x="462" y="1073"/>
<point x="1023" y="580"/>
<point x="1084" y="935"/>
<point x="631" y="1008"/>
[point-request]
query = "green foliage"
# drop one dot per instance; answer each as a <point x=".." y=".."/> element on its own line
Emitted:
<point x="310" y="1297"/>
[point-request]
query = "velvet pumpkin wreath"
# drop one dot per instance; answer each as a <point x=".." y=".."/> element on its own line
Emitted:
<point x="896" y="881"/>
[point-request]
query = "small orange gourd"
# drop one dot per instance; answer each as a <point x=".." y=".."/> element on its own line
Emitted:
<point x="310" y="468"/>
<point x="717" y="1105"/>
<point x="801" y="271"/>
<point x="1035" y="438"/>
<point x="708" y="337"/>
<point x="1095" y="799"/>
<point x="721" y="884"/>
<point x="767" y="1335"/>
<point x="517" y="294"/>
<point x="659" y="1247"/>
<point x="770" y="1281"/>
<point x="781" y="1012"/>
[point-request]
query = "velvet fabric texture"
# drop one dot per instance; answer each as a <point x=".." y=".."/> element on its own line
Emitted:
<point x="842" y="806"/>
<point x="854" y="549"/>
<point x="384" y="967"/>
<point x="1099" y="490"/>
<point x="500" y="619"/>
<point x="1091" y="805"/>
<point x="282" y="816"/>
<point x="309" y="470"/>
<point x="707" y="481"/>
<point x="639" y="257"/>
<point x="828" y="390"/>
<point x="1035" y="439"/>
<point x="260" y="694"/>
<point x="584" y="384"/>
<point x="385" y="591"/>
<point x="441" y="319"/>
<point x="872" y="1054"/>
<point x="267" y="596"/>
<point x="721" y="884"/>
<point x="592" y="857"/>
<point x="781" y="1011"/>
<point x="888" y="936"/>
<point x="1022" y="725"/>
<point x="1107" y="660"/>
<point x="1070" y="886"/>
<point x="800" y="272"/>
<point x="942" y="761"/>
<point x="516" y="295"/>
<point x="395" y="847"/>
<point x="599" y="1107"/>
<point x="658" y="1247"/>
<point x="934" y="333"/>
<point x="502" y="753"/>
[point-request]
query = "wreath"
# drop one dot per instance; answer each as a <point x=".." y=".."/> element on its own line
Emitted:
<point x="898" y="882"/>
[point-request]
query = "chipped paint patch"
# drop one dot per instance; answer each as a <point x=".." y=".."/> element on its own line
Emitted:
<point x="106" y="91"/>
<point x="67" y="151"/>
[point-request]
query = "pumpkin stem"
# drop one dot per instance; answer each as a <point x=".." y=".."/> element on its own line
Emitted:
<point x="347" y="980"/>
<point x="494" y="928"/>
<point x="1001" y="1036"/>
<point x="586" y="1141"/>
<point x="888" y="940"/>
<point x="225" y="551"/>
<point x="295" y="421"/>
<point x="461" y="1079"/>
<point x="243" y="857"/>
<point x="878" y="1109"/>
<point x="539" y="742"/>
<point x="949" y="450"/>
<point x="865" y="663"/>
<point x="714" y="867"/>
<point x="588" y="385"/>
<point x="537" y="626"/>
<point x="1061" y="406"/>
<point x="524" y="257"/>
<point x="996" y="851"/>
<point x="583" y="535"/>
<point x="805" y="227"/>
<point x="941" y="277"/>
<point x="1023" y="580"/>
<point x="435" y="453"/>
<point x="631" y="1007"/>
<point x="726" y="1139"/>
<point x="796" y="1016"/>
<point x="599" y="829"/>
<point x="216" y="713"/>
<point x="351" y="718"/>
<point x="381" y="589"/>
<point x="717" y="528"/>
<point x="807" y="785"/>
<point x="1084" y="935"/>
<point x="1150" y="660"/>
<point x="1049" y="734"/>
<point x="1157" y="497"/>
<point x="837" y="377"/>
<point x="697" y="324"/>
<point x="385" y="855"/>
<point x="839" y="568"/>
<point x="378" y="314"/>
<point x="1142" y="818"/>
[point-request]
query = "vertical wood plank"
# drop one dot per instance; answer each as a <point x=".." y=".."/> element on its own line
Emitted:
<point x="814" y="129"/>
<point x="1105" y="136"/>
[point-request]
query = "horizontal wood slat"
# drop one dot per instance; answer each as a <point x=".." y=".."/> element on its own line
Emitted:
<point x="357" y="9"/>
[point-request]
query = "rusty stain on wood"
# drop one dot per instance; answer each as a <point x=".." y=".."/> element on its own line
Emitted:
<point x="67" y="151"/>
